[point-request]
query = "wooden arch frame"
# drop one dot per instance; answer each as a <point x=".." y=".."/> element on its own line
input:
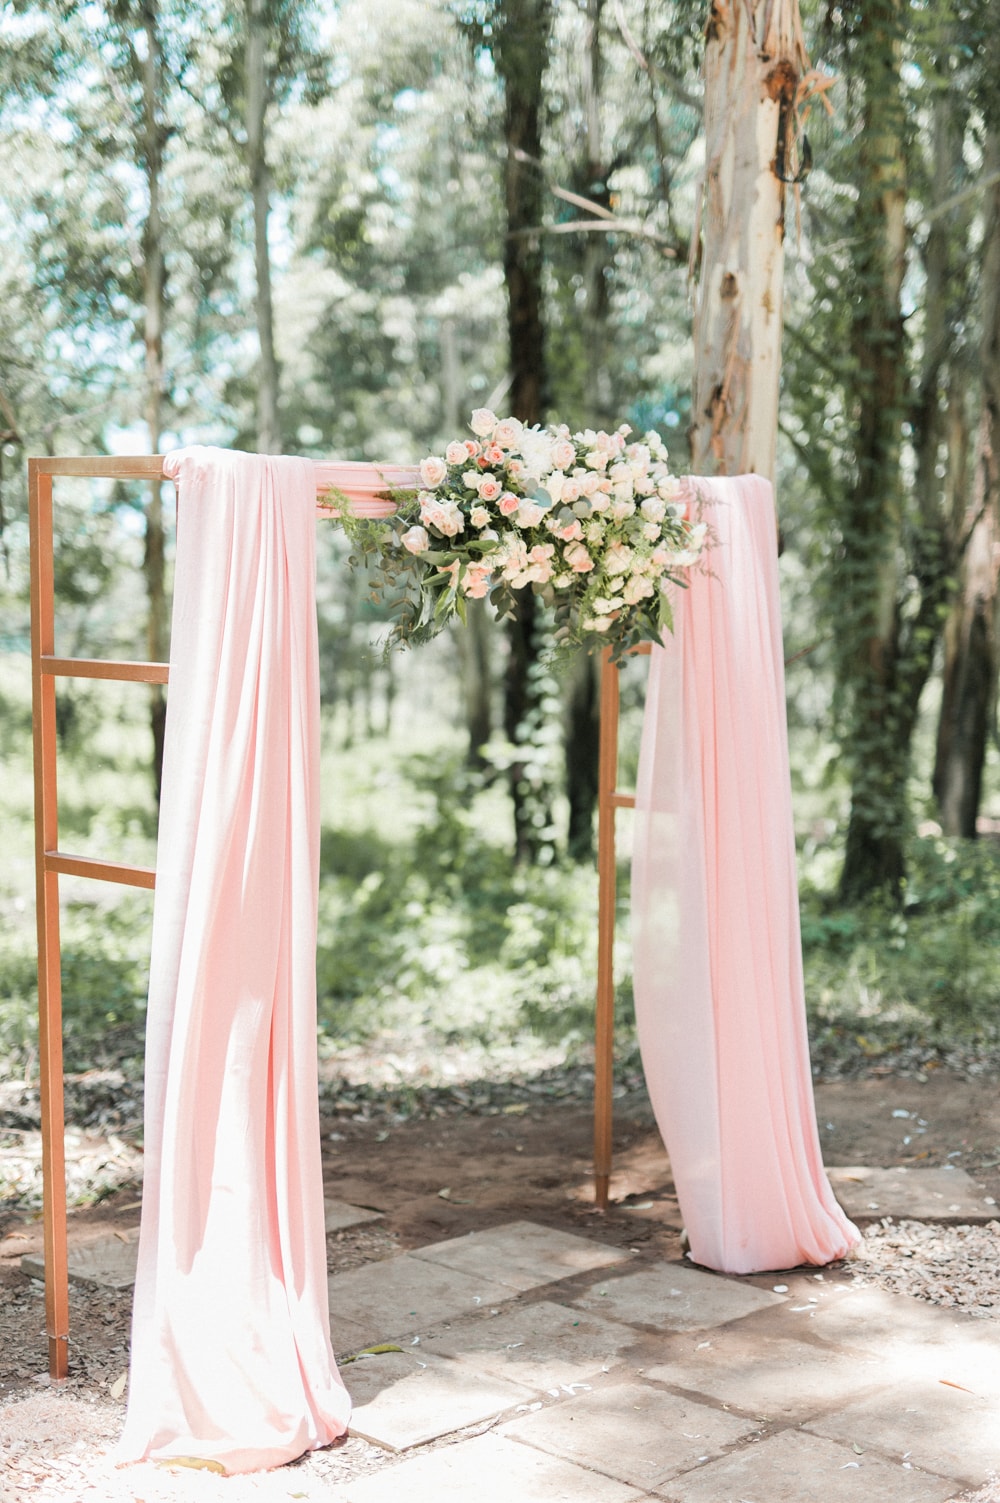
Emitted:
<point x="51" y="863"/>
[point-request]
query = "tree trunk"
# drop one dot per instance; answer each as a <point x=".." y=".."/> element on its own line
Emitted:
<point x="754" y="59"/>
<point x="971" y="655"/>
<point x="581" y="727"/>
<point x="268" y="424"/>
<point x="476" y="679"/>
<point x="154" y="287"/>
<point x="521" y="56"/>
<point x="581" y="744"/>
<point x="878" y="750"/>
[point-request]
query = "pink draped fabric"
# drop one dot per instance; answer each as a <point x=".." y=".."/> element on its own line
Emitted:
<point x="717" y="955"/>
<point x="231" y="1356"/>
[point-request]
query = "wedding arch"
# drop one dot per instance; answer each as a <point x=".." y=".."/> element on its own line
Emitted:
<point x="51" y="863"/>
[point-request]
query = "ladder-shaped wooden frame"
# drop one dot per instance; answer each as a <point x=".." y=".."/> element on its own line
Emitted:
<point x="51" y="863"/>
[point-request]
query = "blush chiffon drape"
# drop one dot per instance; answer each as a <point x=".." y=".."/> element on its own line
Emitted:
<point x="231" y="1356"/>
<point x="718" y="981"/>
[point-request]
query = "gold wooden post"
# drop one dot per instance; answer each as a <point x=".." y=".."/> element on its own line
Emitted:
<point x="608" y="800"/>
<point x="43" y="698"/>
<point x="50" y="861"/>
<point x="604" y="1019"/>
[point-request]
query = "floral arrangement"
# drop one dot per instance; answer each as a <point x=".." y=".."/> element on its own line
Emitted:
<point x="596" y="525"/>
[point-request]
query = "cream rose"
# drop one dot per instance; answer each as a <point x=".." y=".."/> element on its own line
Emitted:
<point x="456" y="452"/>
<point x="508" y="431"/>
<point x="483" y="422"/>
<point x="416" y="540"/>
<point x="432" y="471"/>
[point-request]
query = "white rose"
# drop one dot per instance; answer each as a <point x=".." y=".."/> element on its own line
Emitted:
<point x="415" y="540"/>
<point x="456" y="452"/>
<point x="602" y="606"/>
<point x="480" y="516"/>
<point x="555" y="484"/>
<point x="651" y="531"/>
<point x="483" y="422"/>
<point x="653" y="509"/>
<point x="471" y="480"/>
<point x="529" y="514"/>
<point x="622" y="508"/>
<point x="432" y="471"/>
<point x="619" y="556"/>
<point x="637" y="589"/>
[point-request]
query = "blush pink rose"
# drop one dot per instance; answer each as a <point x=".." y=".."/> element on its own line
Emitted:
<point x="456" y="452"/>
<point x="563" y="453"/>
<point x="578" y="559"/>
<point x="509" y="504"/>
<point x="489" y="488"/>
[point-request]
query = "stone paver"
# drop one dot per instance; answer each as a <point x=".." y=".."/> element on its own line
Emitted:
<point x="937" y="1194"/>
<point x="797" y="1468"/>
<point x="489" y="1469"/>
<point x="109" y="1262"/>
<point x="543" y="1345"/>
<point x="674" y="1297"/>
<point x="340" y="1215"/>
<point x="939" y="1428"/>
<point x="404" y="1399"/>
<point x="767" y="1376"/>
<point x="522" y="1254"/>
<point x="404" y="1296"/>
<point x="914" y="1338"/>
<point x="633" y="1432"/>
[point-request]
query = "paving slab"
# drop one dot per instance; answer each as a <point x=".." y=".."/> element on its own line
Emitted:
<point x="796" y="1468"/>
<point x="489" y="1469"/>
<point x="673" y="1297"/>
<point x="916" y="1338"/>
<point x="543" y="1345"/>
<point x="764" y="1376"/>
<point x="936" y="1427"/>
<point x="935" y="1194"/>
<point x="340" y="1215"/>
<point x="404" y="1399"/>
<point x="404" y="1296"/>
<point x="522" y="1254"/>
<point x="108" y="1262"/>
<point x="633" y="1432"/>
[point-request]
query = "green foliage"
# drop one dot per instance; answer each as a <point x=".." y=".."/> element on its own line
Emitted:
<point x="443" y="936"/>
<point x="930" y="969"/>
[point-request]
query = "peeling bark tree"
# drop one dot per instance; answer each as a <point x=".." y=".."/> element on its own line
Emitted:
<point x="754" y="61"/>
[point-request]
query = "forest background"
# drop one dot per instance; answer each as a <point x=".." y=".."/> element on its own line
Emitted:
<point x="332" y="231"/>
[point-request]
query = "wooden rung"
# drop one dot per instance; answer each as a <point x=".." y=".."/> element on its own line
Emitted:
<point x="103" y="871"/>
<point x="123" y="672"/>
<point x="622" y="800"/>
<point x="100" y="466"/>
